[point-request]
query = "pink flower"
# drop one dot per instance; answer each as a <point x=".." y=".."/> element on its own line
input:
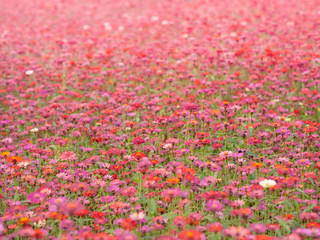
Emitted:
<point x="236" y="232"/>
<point x="214" y="206"/>
<point x="138" y="140"/>
<point x="68" y="156"/>
<point x="36" y="197"/>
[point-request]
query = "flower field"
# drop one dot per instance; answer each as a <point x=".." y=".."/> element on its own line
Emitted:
<point x="159" y="119"/>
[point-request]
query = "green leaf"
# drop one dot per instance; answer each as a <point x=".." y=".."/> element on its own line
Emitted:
<point x="232" y="140"/>
<point x="215" y="174"/>
<point x="278" y="232"/>
<point x="309" y="208"/>
<point x="142" y="198"/>
<point x="250" y="131"/>
<point x="16" y="197"/>
<point x="152" y="205"/>
<point x="209" y="218"/>
<point x="250" y="154"/>
<point x="88" y="127"/>
<point x="299" y="190"/>
<point x="188" y="209"/>
<point x="54" y="147"/>
<point x="135" y="180"/>
<point x="284" y="225"/>
<point x="137" y="233"/>
<point x="170" y="215"/>
<point x="312" y="182"/>
<point x="103" y="208"/>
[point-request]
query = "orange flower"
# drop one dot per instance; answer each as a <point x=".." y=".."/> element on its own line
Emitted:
<point x="215" y="112"/>
<point x="173" y="180"/>
<point x="5" y="154"/>
<point x="190" y="235"/>
<point x="167" y="199"/>
<point x="263" y="237"/>
<point x="226" y="102"/>
<point x="192" y="222"/>
<point x="161" y="210"/>
<point x="58" y="216"/>
<point x="14" y="159"/>
<point x="257" y="165"/>
<point x="48" y="171"/>
<point x="24" y="220"/>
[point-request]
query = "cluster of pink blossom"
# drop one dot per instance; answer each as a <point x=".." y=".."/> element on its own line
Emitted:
<point x="164" y="120"/>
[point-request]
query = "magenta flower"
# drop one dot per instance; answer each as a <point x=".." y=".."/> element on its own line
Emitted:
<point x="36" y="197"/>
<point x="138" y="140"/>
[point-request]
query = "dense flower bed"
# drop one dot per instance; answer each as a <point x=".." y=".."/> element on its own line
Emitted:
<point x="145" y="119"/>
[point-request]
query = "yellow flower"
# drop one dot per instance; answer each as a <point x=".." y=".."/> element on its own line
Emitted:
<point x="5" y="154"/>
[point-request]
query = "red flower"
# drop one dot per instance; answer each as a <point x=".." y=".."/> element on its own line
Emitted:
<point x="96" y="214"/>
<point x="116" y="167"/>
<point x="82" y="213"/>
<point x="138" y="140"/>
<point x="214" y="227"/>
<point x="129" y="224"/>
<point x="138" y="155"/>
<point x="313" y="225"/>
<point x="216" y="146"/>
<point x="89" y="193"/>
<point x="296" y="112"/>
<point x="39" y="233"/>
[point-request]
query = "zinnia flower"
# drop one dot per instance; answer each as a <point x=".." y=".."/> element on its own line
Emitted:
<point x="36" y="197"/>
<point x="68" y="156"/>
<point x="214" y="206"/>
<point x="34" y="130"/>
<point x="267" y="183"/>
<point x="190" y="235"/>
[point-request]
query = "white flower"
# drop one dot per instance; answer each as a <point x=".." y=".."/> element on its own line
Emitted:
<point x="23" y="164"/>
<point x="33" y="130"/>
<point x="29" y="72"/>
<point x="137" y="216"/>
<point x="164" y="22"/>
<point x="167" y="146"/>
<point x="267" y="183"/>
<point x="107" y="26"/>
<point x="40" y="223"/>
<point x="154" y="18"/>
